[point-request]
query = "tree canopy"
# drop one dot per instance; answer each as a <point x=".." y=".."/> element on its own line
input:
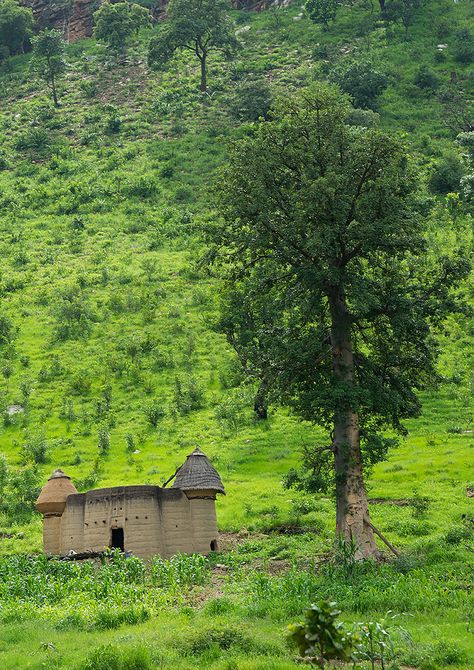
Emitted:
<point x="16" y="25"/>
<point x="116" y="23"/>
<point x="329" y="287"/>
<point x="199" y="26"/>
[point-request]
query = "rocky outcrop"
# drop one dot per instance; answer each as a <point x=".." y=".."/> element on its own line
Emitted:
<point x="75" y="17"/>
<point x="72" y="17"/>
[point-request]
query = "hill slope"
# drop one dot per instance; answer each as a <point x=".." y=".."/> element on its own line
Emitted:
<point x="111" y="317"/>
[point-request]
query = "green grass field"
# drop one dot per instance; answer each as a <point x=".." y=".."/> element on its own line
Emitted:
<point x="101" y="203"/>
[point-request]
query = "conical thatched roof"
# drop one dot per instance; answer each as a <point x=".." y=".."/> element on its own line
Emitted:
<point x="52" y="499"/>
<point x="198" y="473"/>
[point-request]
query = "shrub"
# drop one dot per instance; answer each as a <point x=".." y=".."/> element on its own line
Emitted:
<point x="73" y="313"/>
<point x="446" y="175"/>
<point x="113" y="618"/>
<point x="188" y="395"/>
<point x="103" y="441"/>
<point x="251" y="100"/>
<point x="362" y="81"/>
<point x="447" y="653"/>
<point x="321" y="637"/>
<point x="112" y="657"/>
<point x="143" y="186"/>
<point x="225" y="637"/>
<point x="426" y="78"/>
<point x="34" y="140"/>
<point x="365" y="118"/>
<point x="155" y="412"/>
<point x="7" y="331"/>
<point x="456" y="534"/>
<point x="34" y="450"/>
<point x="88" y="87"/>
<point x="464" y="46"/>
<point x="23" y="490"/>
<point x="80" y="383"/>
<point x="420" y="505"/>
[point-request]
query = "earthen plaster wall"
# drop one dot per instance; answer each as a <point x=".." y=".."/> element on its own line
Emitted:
<point x="155" y="521"/>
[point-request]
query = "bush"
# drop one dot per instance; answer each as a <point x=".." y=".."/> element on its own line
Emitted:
<point x="362" y="81"/>
<point x="80" y="383"/>
<point x="103" y="441"/>
<point x="365" y="118"/>
<point x="456" y="535"/>
<point x="225" y="638"/>
<point x="426" y="78"/>
<point x="33" y="140"/>
<point x="446" y="175"/>
<point x="7" y="331"/>
<point x="188" y="395"/>
<point x="112" y="657"/>
<point x="155" y="412"/>
<point x="251" y="100"/>
<point x="144" y="186"/>
<point x="35" y="450"/>
<point x="113" y="618"/>
<point x="464" y="46"/>
<point x="73" y="313"/>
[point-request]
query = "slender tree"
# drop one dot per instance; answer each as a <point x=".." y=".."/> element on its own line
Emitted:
<point x="199" y="26"/>
<point x="116" y="23"/>
<point x="321" y="244"/>
<point x="48" y="59"/>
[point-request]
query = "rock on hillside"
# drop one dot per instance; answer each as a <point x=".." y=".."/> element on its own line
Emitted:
<point x="74" y="17"/>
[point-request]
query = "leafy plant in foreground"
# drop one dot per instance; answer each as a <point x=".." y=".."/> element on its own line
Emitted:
<point x="321" y="638"/>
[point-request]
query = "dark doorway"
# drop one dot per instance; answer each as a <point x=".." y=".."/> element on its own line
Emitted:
<point x="213" y="545"/>
<point x="117" y="539"/>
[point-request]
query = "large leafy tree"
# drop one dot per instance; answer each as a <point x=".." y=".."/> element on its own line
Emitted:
<point x="48" y="60"/>
<point x="16" y="25"/>
<point x="329" y="285"/>
<point x="116" y="23"/>
<point x="199" y="26"/>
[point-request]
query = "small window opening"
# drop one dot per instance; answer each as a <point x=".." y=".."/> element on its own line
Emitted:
<point x="118" y="541"/>
<point x="213" y="545"/>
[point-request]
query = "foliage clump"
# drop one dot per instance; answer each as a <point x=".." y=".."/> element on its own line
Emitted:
<point x="321" y="637"/>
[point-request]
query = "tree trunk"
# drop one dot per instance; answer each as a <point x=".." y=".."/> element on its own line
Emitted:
<point x="53" y="89"/>
<point x="203" y="84"/>
<point x="382" y="5"/>
<point x="260" y="405"/>
<point x="352" y="512"/>
<point x="53" y="83"/>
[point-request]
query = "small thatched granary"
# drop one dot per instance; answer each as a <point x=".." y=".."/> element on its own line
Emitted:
<point x="145" y="520"/>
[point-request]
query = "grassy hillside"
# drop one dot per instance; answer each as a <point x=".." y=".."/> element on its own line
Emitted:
<point x="100" y="206"/>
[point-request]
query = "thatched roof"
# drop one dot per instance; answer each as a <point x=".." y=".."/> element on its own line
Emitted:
<point x="198" y="473"/>
<point x="53" y="495"/>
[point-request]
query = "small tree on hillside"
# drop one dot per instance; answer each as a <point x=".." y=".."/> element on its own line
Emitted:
<point x="404" y="11"/>
<point x="48" y="59"/>
<point x="322" y="11"/>
<point x="321" y="241"/>
<point x="362" y="80"/>
<point x="199" y="26"/>
<point x="16" y="25"/>
<point x="116" y="23"/>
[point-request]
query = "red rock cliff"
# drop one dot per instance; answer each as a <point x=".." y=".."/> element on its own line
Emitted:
<point x="75" y="17"/>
